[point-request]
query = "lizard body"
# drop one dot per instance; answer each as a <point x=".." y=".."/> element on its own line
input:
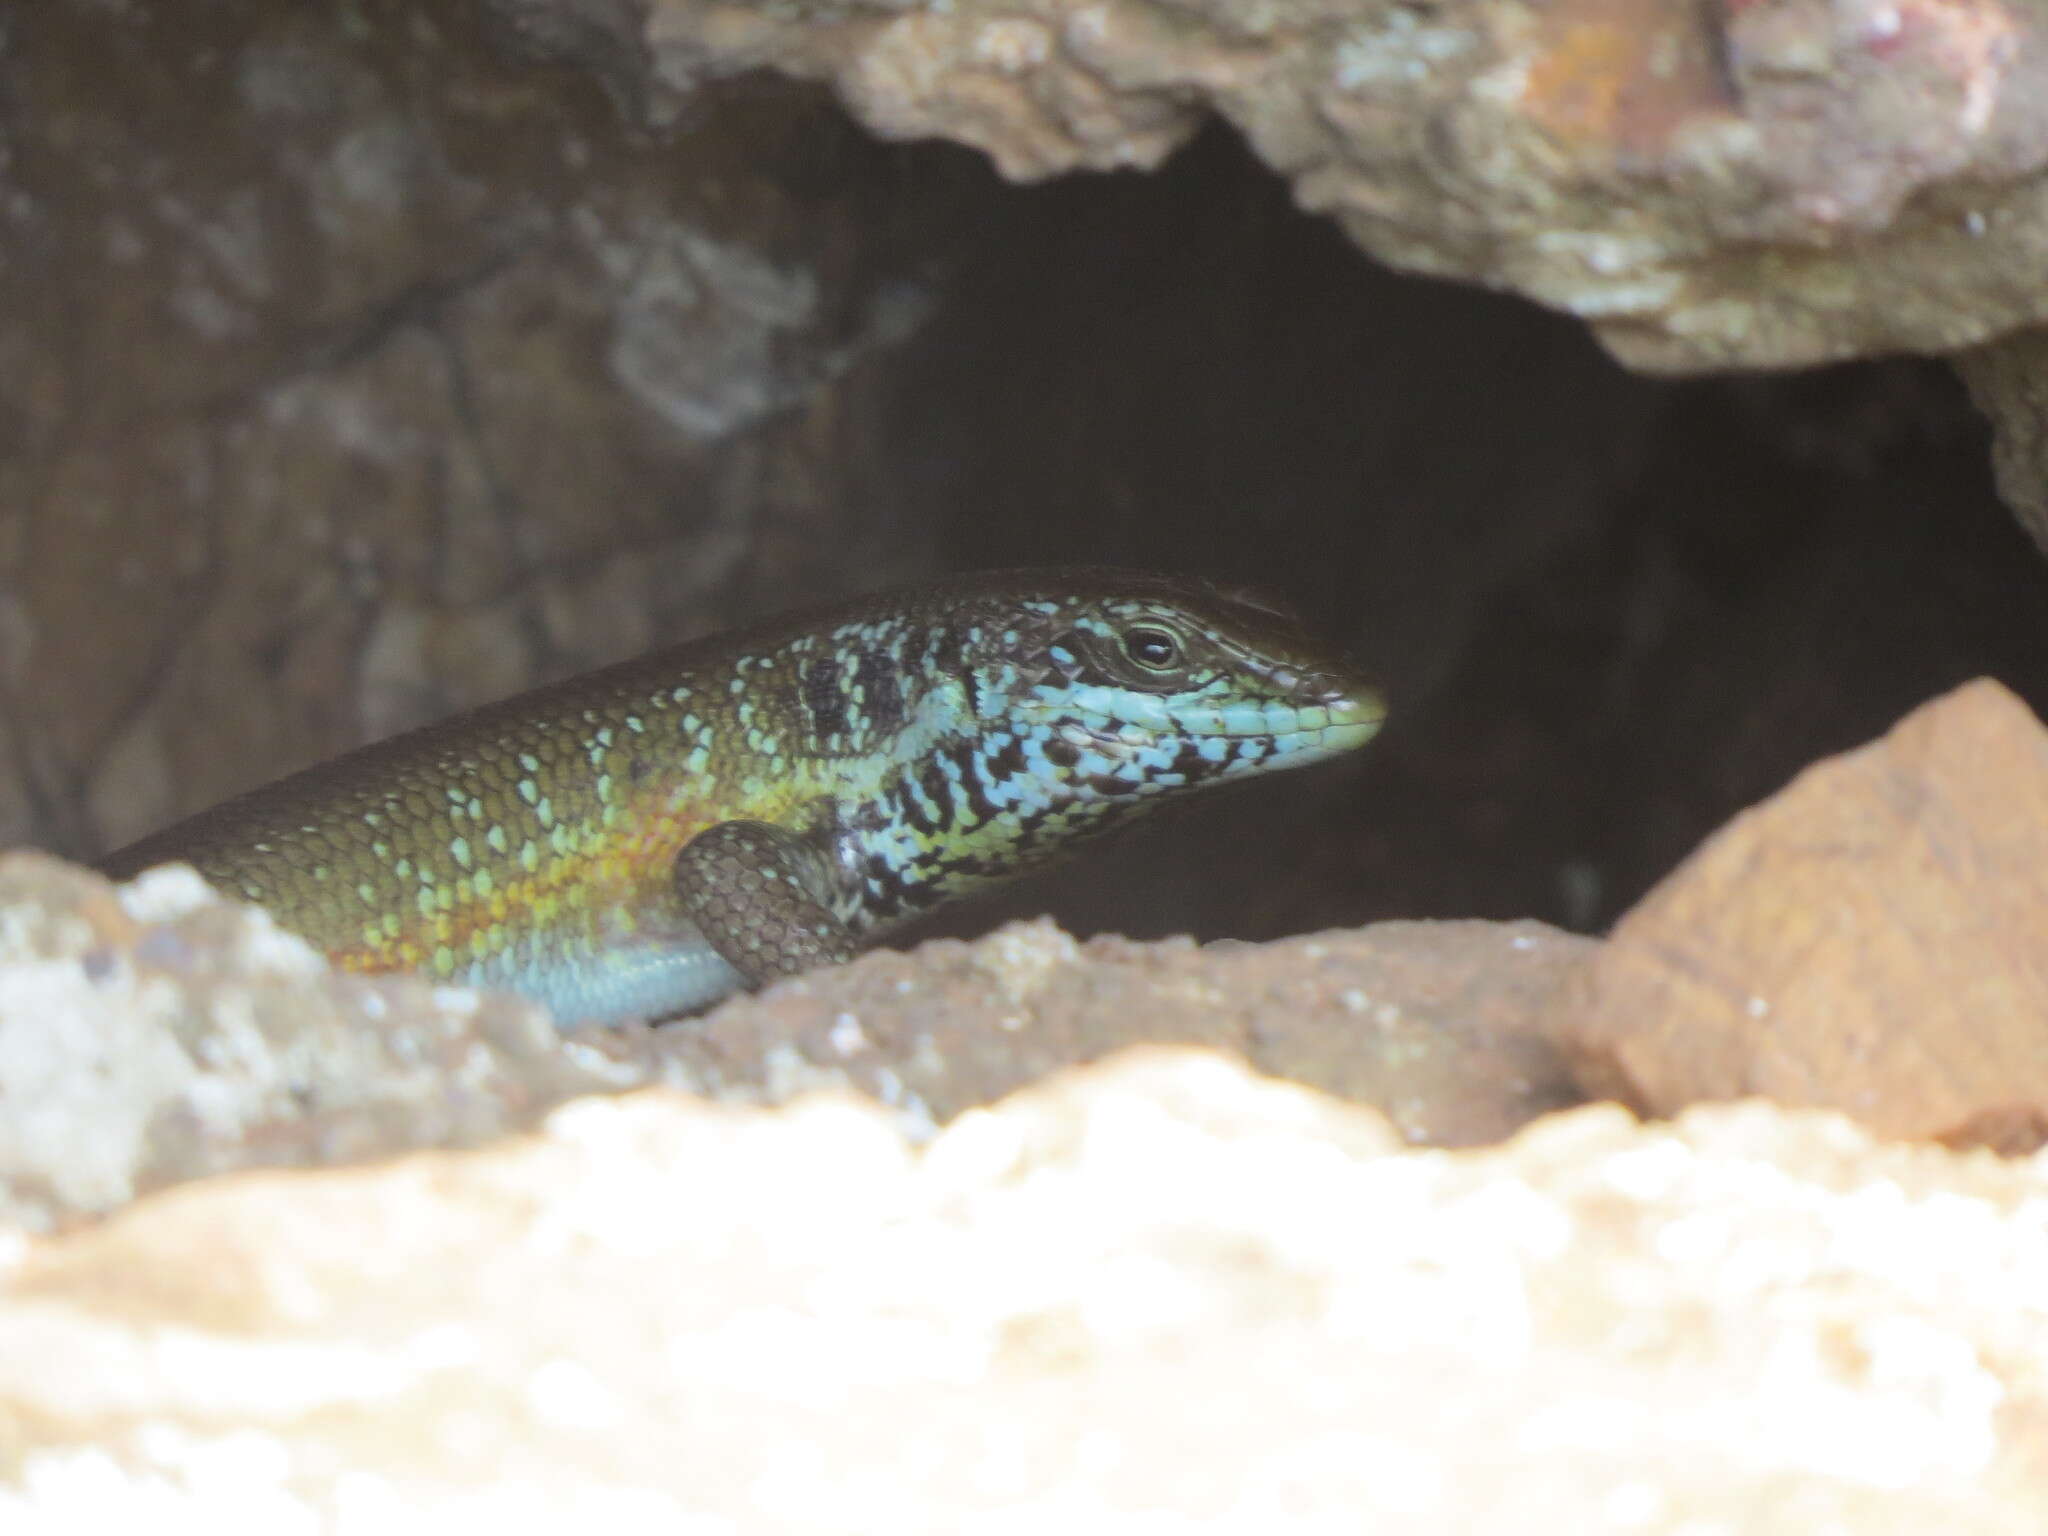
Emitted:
<point x="644" y="840"/>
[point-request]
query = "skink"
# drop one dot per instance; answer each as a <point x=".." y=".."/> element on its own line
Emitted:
<point x="639" y="842"/>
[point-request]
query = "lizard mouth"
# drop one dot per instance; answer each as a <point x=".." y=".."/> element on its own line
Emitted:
<point x="1336" y="723"/>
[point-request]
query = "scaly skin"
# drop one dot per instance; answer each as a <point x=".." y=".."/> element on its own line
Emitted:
<point x="644" y="840"/>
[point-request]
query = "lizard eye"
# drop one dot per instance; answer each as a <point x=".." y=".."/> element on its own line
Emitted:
<point x="1154" y="649"/>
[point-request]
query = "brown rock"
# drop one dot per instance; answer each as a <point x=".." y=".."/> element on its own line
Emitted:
<point x="1869" y="939"/>
<point x="2008" y="379"/>
<point x="1737" y="184"/>
<point x="1435" y="1024"/>
<point x="353" y="370"/>
<point x="1154" y="1294"/>
<point x="153" y="1033"/>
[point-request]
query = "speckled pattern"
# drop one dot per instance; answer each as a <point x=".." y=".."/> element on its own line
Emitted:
<point x="876" y="759"/>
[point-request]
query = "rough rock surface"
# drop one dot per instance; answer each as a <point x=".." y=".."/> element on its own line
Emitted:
<point x="158" y="1034"/>
<point x="2008" y="379"/>
<point x="1435" y="1024"/>
<point x="353" y="371"/>
<point x="1708" y="186"/>
<point x="154" y="1034"/>
<point x="1868" y="940"/>
<point x="1159" y="1294"/>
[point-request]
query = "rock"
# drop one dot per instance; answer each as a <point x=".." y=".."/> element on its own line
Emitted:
<point x="1738" y="185"/>
<point x="1435" y="1024"/>
<point x="155" y="1033"/>
<point x="160" y="1034"/>
<point x="1156" y="1292"/>
<point x="2008" y="379"/>
<point x="1869" y="940"/>
<point x="354" y="370"/>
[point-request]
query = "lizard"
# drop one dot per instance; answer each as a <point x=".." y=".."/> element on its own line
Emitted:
<point x="640" y="842"/>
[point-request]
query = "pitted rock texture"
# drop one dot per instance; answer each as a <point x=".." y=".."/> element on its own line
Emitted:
<point x="1710" y="186"/>
<point x="1437" y="1025"/>
<point x="1155" y="1294"/>
<point x="1868" y="940"/>
<point x="154" y="1033"/>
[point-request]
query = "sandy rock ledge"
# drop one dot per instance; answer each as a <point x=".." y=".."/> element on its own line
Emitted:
<point x="154" y="1033"/>
<point x="1159" y="1293"/>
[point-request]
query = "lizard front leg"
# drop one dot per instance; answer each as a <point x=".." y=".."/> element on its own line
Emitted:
<point x="756" y="893"/>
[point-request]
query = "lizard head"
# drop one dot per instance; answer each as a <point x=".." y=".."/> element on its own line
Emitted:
<point x="992" y="722"/>
<point x="1117" y="685"/>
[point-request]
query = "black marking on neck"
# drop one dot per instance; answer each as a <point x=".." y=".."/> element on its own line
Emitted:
<point x="947" y="653"/>
<point x="825" y="697"/>
<point x="933" y="780"/>
<point x="876" y="676"/>
<point x="1008" y="763"/>
<point x="947" y="658"/>
<point x="1192" y="766"/>
<point x="967" y="757"/>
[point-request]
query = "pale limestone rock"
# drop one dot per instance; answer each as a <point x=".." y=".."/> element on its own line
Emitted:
<point x="1155" y="1294"/>
<point x="157" y="1033"/>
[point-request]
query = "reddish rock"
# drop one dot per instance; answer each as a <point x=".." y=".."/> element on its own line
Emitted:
<point x="1736" y="183"/>
<point x="1869" y="939"/>
<point x="1435" y="1024"/>
<point x="154" y="1033"/>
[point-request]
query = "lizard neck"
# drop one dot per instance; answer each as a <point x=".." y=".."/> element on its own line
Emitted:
<point x="968" y="810"/>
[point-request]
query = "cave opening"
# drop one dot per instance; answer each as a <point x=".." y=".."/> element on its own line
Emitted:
<point x="403" y="371"/>
<point x="1611" y="610"/>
